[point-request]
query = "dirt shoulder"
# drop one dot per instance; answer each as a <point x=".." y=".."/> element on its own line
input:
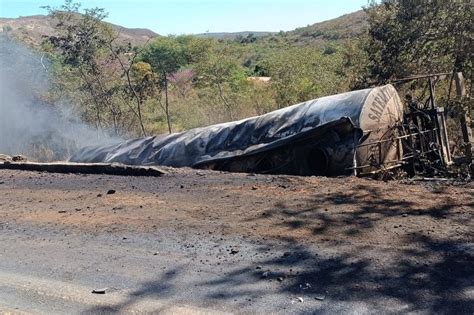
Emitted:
<point x="389" y="245"/>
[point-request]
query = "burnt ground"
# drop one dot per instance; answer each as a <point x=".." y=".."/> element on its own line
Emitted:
<point x="199" y="242"/>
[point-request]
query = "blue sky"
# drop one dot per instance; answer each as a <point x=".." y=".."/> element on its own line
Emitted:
<point x="199" y="16"/>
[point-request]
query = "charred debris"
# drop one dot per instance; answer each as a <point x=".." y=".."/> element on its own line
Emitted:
<point x="437" y="138"/>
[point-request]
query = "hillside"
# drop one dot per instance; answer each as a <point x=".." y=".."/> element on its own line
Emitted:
<point x="234" y="35"/>
<point x="31" y="29"/>
<point x="344" y="27"/>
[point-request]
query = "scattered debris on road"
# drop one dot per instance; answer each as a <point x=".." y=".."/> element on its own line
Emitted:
<point x="234" y="251"/>
<point x="99" y="291"/>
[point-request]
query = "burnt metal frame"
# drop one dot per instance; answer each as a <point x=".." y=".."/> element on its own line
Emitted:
<point x="421" y="137"/>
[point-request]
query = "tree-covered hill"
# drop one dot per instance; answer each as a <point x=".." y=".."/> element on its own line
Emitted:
<point x="347" y="26"/>
<point x="32" y="29"/>
<point x="234" y="35"/>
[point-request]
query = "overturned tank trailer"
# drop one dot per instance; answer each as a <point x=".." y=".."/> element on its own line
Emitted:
<point x="350" y="133"/>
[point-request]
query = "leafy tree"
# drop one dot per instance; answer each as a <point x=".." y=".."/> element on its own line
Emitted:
<point x="302" y="73"/>
<point x="354" y="64"/>
<point x="165" y="55"/>
<point x="194" y="48"/>
<point x="87" y="48"/>
<point x="93" y="60"/>
<point x="410" y="37"/>
<point x="223" y="74"/>
<point x="80" y="41"/>
<point x="126" y="57"/>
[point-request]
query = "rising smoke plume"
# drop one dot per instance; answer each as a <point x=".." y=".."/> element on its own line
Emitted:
<point x="28" y="124"/>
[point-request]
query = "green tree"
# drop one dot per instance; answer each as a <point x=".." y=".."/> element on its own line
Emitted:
<point x="302" y="73"/>
<point x="88" y="51"/>
<point x="410" y="37"/>
<point x="166" y="55"/>
<point x="80" y="41"/>
<point x="354" y="64"/>
<point x="223" y="75"/>
<point x="90" y="58"/>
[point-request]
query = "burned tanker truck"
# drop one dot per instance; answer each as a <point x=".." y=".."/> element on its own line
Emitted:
<point x="360" y="132"/>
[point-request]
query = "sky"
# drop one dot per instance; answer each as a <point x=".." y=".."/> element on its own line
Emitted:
<point x="199" y="16"/>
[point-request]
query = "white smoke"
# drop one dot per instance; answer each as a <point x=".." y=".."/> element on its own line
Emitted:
<point x="29" y="125"/>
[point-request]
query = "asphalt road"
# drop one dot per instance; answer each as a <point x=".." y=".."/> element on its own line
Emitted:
<point x="196" y="242"/>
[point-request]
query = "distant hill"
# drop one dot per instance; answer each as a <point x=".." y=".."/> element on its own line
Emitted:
<point x="234" y="35"/>
<point x="32" y="29"/>
<point x="344" y="27"/>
